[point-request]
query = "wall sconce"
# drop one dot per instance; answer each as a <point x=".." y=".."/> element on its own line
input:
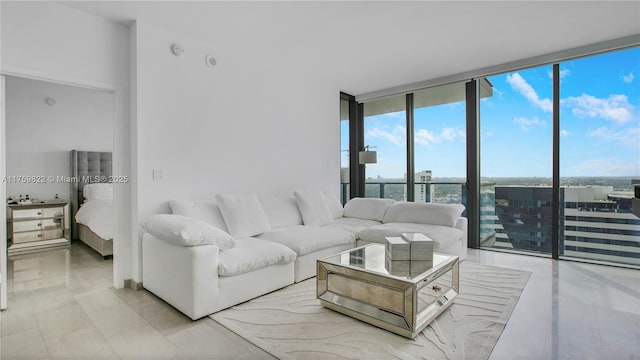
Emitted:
<point x="367" y="156"/>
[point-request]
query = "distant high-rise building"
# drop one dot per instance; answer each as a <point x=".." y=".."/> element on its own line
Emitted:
<point x="600" y="225"/>
<point x="595" y="222"/>
<point x="344" y="175"/>
<point x="423" y="186"/>
<point x="523" y="217"/>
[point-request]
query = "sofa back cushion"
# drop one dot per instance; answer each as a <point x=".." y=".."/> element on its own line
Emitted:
<point x="313" y="208"/>
<point x="335" y="208"/>
<point x="423" y="213"/>
<point x="207" y="211"/>
<point x="281" y="211"/>
<point x="364" y="208"/>
<point x="243" y="214"/>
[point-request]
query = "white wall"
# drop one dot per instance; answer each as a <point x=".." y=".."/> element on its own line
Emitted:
<point x="50" y="41"/>
<point x="252" y="123"/>
<point x="244" y="125"/>
<point x="40" y="136"/>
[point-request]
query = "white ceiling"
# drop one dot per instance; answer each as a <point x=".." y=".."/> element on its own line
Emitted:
<point x="368" y="46"/>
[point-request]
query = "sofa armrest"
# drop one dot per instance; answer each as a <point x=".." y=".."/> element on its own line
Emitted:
<point x="463" y="224"/>
<point x="184" y="276"/>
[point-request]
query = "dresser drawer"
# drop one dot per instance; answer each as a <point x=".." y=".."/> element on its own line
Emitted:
<point x="30" y="225"/>
<point x="26" y="237"/>
<point x="51" y="234"/>
<point x="27" y="213"/>
<point x="49" y="224"/>
<point x="52" y="212"/>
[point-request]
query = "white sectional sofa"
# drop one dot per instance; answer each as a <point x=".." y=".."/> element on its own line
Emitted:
<point x="211" y="255"/>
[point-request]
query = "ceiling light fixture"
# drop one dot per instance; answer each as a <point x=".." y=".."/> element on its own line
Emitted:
<point x="210" y="60"/>
<point x="176" y="49"/>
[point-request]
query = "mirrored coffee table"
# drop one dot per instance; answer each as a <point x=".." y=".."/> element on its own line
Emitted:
<point x="402" y="297"/>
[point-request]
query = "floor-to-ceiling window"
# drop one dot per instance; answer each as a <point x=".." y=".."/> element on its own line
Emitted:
<point x="558" y="147"/>
<point x="440" y="153"/>
<point x="599" y="155"/>
<point x="385" y="133"/>
<point x="516" y="161"/>
<point x="344" y="150"/>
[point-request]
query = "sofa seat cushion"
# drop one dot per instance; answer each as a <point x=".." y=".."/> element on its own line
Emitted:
<point x="442" y="236"/>
<point x="353" y="225"/>
<point x="304" y="239"/>
<point x="252" y="254"/>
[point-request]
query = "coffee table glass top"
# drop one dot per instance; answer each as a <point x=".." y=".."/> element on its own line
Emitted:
<point x="371" y="258"/>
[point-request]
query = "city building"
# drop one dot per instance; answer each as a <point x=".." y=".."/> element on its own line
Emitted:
<point x="423" y="186"/>
<point x="599" y="225"/>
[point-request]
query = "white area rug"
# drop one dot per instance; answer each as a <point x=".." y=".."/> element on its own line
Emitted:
<point x="291" y="324"/>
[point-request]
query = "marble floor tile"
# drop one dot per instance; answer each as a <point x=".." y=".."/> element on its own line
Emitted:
<point x="25" y="345"/>
<point x="204" y="341"/>
<point x="144" y="342"/>
<point x="82" y="344"/>
<point x="62" y="320"/>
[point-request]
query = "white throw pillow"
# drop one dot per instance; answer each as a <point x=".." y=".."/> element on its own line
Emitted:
<point x="424" y="213"/>
<point x="186" y="231"/>
<point x="281" y="211"/>
<point x="98" y="191"/>
<point x="207" y="211"/>
<point x="334" y="206"/>
<point x="243" y="214"/>
<point x="313" y="208"/>
<point x="370" y="209"/>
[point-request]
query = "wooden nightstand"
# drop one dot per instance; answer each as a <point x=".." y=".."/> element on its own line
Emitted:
<point x="37" y="226"/>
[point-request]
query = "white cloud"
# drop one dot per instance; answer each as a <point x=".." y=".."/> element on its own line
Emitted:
<point x="426" y="137"/>
<point x="396" y="137"/>
<point x="563" y="73"/>
<point x="628" y="78"/>
<point x="615" y="108"/>
<point x="519" y="84"/>
<point x="451" y="134"/>
<point x="628" y="137"/>
<point x="526" y="124"/>
<point x="564" y="132"/>
<point x="605" y="167"/>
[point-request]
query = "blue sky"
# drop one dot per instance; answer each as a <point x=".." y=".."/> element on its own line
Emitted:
<point x="600" y="125"/>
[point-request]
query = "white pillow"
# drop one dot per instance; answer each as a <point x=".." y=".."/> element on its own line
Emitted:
<point x="313" y="208"/>
<point x="243" y="214"/>
<point x="335" y="208"/>
<point x="367" y="208"/>
<point x="424" y="213"/>
<point x="98" y="191"/>
<point x="186" y="231"/>
<point x="281" y="211"/>
<point x="207" y="211"/>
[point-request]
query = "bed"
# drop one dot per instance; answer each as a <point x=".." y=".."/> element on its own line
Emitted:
<point x="92" y="200"/>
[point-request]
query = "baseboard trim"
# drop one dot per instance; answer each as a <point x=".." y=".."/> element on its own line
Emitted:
<point x="132" y="284"/>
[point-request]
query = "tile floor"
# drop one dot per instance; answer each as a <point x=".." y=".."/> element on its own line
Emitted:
<point x="62" y="305"/>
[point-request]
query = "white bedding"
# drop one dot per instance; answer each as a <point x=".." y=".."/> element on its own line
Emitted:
<point x="98" y="216"/>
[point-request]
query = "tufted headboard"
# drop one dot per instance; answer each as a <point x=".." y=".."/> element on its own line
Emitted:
<point x="86" y="167"/>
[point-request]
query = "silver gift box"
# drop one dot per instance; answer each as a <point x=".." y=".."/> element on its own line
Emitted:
<point x="397" y="249"/>
<point x="420" y="246"/>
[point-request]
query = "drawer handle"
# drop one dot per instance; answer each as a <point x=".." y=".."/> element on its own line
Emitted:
<point x="39" y="235"/>
<point x="436" y="288"/>
<point x="39" y="213"/>
<point x="39" y="224"/>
